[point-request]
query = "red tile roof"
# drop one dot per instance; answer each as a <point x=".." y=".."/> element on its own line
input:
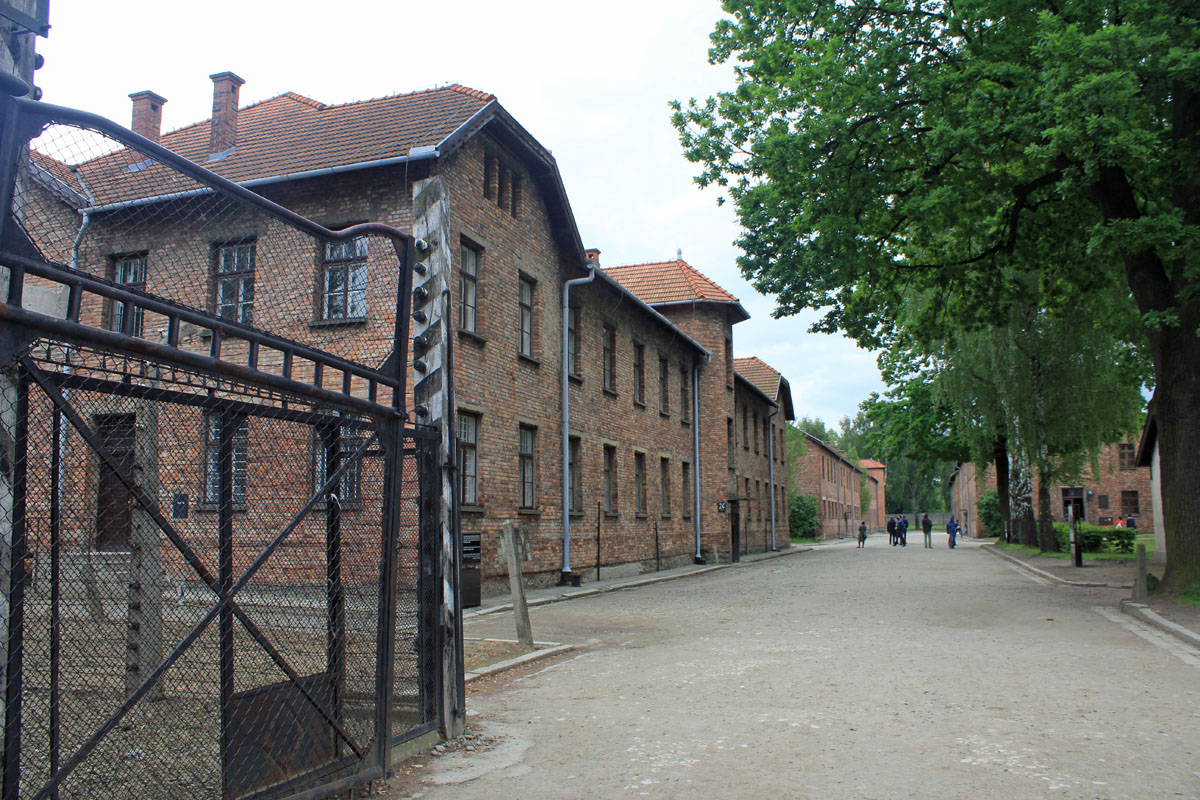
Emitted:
<point x="669" y="282"/>
<point x="870" y="463"/>
<point x="291" y="134"/>
<point x="761" y="374"/>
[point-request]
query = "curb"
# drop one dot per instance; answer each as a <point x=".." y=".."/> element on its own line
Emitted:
<point x="633" y="584"/>
<point x="1145" y="614"/>
<point x="546" y="649"/>
<point x="1041" y="573"/>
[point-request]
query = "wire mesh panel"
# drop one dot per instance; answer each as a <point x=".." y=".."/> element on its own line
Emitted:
<point x="221" y="567"/>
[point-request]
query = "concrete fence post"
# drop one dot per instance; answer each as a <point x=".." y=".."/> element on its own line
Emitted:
<point x="517" y="585"/>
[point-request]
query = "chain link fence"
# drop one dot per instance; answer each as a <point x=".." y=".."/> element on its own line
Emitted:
<point x="220" y="567"/>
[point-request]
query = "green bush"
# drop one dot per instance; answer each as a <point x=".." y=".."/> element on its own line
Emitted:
<point x="802" y="516"/>
<point x="990" y="514"/>
<point x="1094" y="538"/>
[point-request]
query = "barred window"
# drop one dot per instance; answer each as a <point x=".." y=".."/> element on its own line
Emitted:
<point x="235" y="281"/>
<point x="525" y="343"/>
<point x="573" y="340"/>
<point x="610" y="479"/>
<point x="130" y="272"/>
<point x="685" y="494"/>
<point x="527" y="467"/>
<point x="609" y="365"/>
<point x="344" y="285"/>
<point x="685" y="395"/>
<point x="1125" y="455"/>
<point x="212" y="461"/>
<point x="1129" y="504"/>
<point x="664" y="484"/>
<point x="575" y="488"/>
<point x="468" y="289"/>
<point x="639" y="482"/>
<point x="639" y="373"/>
<point x="664" y="385"/>
<point x="468" y="458"/>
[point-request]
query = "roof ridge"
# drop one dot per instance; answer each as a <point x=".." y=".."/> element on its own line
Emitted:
<point x="467" y="90"/>
<point x="290" y="95"/>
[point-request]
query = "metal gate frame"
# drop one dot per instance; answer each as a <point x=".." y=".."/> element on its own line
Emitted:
<point x="20" y="327"/>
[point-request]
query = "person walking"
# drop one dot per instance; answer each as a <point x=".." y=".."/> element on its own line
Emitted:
<point x="862" y="534"/>
<point x="952" y="529"/>
<point x="891" y="529"/>
<point x="902" y="530"/>
<point x="927" y="527"/>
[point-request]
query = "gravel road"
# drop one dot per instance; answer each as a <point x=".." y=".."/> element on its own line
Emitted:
<point x="837" y="673"/>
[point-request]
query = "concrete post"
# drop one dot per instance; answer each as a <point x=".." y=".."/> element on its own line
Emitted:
<point x="517" y="585"/>
<point x="1139" y="585"/>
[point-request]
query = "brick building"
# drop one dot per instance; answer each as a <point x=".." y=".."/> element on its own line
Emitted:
<point x="1122" y="488"/>
<point x="876" y="515"/>
<point x="826" y="474"/>
<point x="635" y="356"/>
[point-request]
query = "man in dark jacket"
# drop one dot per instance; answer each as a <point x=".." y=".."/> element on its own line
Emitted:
<point x="891" y="528"/>
<point x="927" y="527"/>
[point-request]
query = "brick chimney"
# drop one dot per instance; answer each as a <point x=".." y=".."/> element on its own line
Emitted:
<point x="147" y="114"/>
<point x="223" y="130"/>
<point x="593" y="256"/>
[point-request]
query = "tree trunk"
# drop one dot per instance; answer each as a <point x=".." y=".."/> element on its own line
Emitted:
<point x="1046" y="540"/>
<point x="1176" y="408"/>
<point x="1000" y="455"/>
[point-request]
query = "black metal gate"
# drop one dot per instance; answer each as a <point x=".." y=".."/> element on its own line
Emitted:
<point x="221" y="566"/>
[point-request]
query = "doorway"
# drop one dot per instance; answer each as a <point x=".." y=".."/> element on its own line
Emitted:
<point x="735" y="531"/>
<point x="1072" y="503"/>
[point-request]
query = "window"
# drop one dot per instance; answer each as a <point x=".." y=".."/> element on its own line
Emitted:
<point x="526" y="451"/>
<point x="344" y="287"/>
<point x="1125" y="454"/>
<point x="573" y="340"/>
<point x="1102" y="501"/>
<point x="639" y="482"/>
<point x="766" y="435"/>
<point x="514" y="206"/>
<point x="756" y="431"/>
<point x="664" y="486"/>
<point x="746" y="494"/>
<point x="212" y="461"/>
<point x="639" y="373"/>
<point x="610" y="479"/>
<point x="664" y="385"/>
<point x="468" y="459"/>
<point x="685" y="396"/>
<point x="525" y="341"/>
<point x="1129" y="504"/>
<point x="729" y="443"/>
<point x="745" y="428"/>
<point x="686" y="493"/>
<point x="609" y="342"/>
<point x="758" y="498"/>
<point x="347" y="490"/>
<point x="468" y="289"/>
<point x="503" y="198"/>
<point x="574" y="487"/>
<point x="235" y="281"/>
<point x="129" y="271"/>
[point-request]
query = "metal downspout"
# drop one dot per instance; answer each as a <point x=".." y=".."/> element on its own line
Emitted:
<point x="771" y="471"/>
<point x="698" y="558"/>
<point x="566" y="419"/>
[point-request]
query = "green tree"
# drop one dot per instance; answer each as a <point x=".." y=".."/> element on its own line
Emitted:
<point x="817" y="427"/>
<point x="872" y="148"/>
<point x="802" y="516"/>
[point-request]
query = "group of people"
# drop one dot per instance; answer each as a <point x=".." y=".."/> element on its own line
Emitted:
<point x="897" y="528"/>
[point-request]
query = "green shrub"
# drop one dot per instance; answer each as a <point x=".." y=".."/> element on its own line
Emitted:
<point x="990" y="514"/>
<point x="1094" y="538"/>
<point x="1121" y="540"/>
<point x="802" y="516"/>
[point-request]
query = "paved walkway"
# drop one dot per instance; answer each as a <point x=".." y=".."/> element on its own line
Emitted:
<point x="834" y="673"/>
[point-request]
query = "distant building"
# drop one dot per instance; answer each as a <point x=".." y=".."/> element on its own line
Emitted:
<point x="826" y="474"/>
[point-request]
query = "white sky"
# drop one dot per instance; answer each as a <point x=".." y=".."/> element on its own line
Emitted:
<point x="590" y="81"/>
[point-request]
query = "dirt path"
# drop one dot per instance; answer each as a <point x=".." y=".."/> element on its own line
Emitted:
<point x="876" y="673"/>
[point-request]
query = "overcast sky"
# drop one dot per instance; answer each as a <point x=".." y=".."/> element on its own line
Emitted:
<point x="590" y="81"/>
